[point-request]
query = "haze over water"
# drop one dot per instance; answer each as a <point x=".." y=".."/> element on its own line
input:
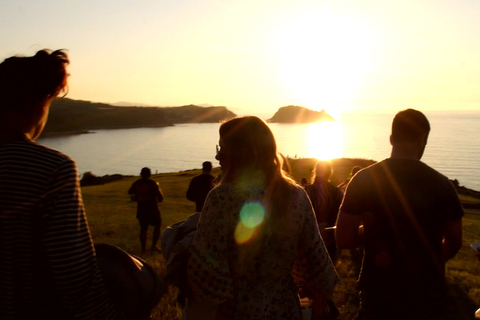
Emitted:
<point x="452" y="149"/>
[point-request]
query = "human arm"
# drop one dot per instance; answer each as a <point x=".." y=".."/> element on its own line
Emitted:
<point x="452" y="239"/>
<point x="191" y="191"/>
<point x="349" y="230"/>
<point x="349" y="227"/>
<point x="159" y="192"/>
<point x="65" y="238"/>
<point x="132" y="189"/>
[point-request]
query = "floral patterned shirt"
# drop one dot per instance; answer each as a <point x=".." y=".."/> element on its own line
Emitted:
<point x="256" y="271"/>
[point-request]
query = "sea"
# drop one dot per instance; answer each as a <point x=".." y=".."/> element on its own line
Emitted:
<point x="453" y="146"/>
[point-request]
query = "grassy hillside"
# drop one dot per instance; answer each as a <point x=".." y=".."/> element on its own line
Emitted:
<point x="111" y="216"/>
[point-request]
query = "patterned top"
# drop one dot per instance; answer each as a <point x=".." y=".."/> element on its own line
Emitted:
<point x="48" y="268"/>
<point x="257" y="269"/>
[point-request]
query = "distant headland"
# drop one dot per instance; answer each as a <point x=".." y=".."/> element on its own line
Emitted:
<point x="68" y="116"/>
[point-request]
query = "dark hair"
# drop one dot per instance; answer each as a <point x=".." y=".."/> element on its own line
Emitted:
<point x="207" y="166"/>
<point x="25" y="81"/>
<point x="250" y="146"/>
<point x="145" y="172"/>
<point x="251" y="152"/>
<point x="409" y="125"/>
<point x="322" y="170"/>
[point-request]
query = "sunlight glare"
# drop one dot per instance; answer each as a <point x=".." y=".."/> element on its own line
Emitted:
<point x="325" y="140"/>
<point x="323" y="58"/>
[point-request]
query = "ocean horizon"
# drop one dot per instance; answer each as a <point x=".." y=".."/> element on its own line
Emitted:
<point x="452" y="147"/>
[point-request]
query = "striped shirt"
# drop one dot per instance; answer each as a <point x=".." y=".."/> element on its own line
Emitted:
<point x="48" y="268"/>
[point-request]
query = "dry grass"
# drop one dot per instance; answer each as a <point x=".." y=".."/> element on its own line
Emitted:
<point x="111" y="216"/>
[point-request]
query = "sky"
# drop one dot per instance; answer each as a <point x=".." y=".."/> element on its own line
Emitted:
<point x="255" y="56"/>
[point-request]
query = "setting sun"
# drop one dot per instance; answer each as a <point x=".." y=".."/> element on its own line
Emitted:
<point x="325" y="140"/>
<point x="323" y="58"/>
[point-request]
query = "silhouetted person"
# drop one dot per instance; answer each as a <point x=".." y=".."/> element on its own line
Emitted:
<point x="326" y="200"/>
<point x="148" y="195"/>
<point x="200" y="186"/>
<point x="408" y="218"/>
<point x="48" y="268"/>
<point x="353" y="172"/>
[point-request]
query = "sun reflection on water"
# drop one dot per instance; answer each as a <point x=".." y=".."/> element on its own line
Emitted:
<point x="325" y="140"/>
<point x="321" y="140"/>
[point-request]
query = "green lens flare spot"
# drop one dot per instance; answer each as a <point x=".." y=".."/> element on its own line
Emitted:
<point x="252" y="214"/>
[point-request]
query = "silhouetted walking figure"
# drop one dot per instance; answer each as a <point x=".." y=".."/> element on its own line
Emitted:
<point x="200" y="186"/>
<point x="326" y="200"/>
<point x="148" y="194"/>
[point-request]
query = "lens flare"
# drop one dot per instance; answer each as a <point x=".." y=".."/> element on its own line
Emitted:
<point x="251" y="216"/>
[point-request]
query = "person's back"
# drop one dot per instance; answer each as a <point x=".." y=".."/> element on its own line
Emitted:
<point x="326" y="199"/>
<point x="407" y="216"/>
<point x="403" y="236"/>
<point x="148" y="194"/>
<point x="200" y="186"/>
<point x="36" y="215"/>
<point x="257" y="241"/>
<point x="48" y="267"/>
<point x="259" y="266"/>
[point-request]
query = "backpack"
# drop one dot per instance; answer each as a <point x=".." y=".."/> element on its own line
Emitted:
<point x="131" y="283"/>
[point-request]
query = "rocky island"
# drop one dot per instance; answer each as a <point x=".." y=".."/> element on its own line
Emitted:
<point x="297" y="114"/>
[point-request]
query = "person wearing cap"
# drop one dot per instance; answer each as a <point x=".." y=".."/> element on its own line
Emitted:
<point x="200" y="186"/>
<point x="148" y="194"/>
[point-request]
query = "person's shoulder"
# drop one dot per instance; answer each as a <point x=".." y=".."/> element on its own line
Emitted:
<point x="366" y="173"/>
<point x="44" y="156"/>
<point x="42" y="150"/>
<point x="436" y="177"/>
<point x="298" y="189"/>
<point x="153" y="182"/>
<point x="198" y="177"/>
<point x="226" y="188"/>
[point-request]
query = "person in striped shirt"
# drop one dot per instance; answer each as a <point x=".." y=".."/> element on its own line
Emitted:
<point x="48" y="266"/>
